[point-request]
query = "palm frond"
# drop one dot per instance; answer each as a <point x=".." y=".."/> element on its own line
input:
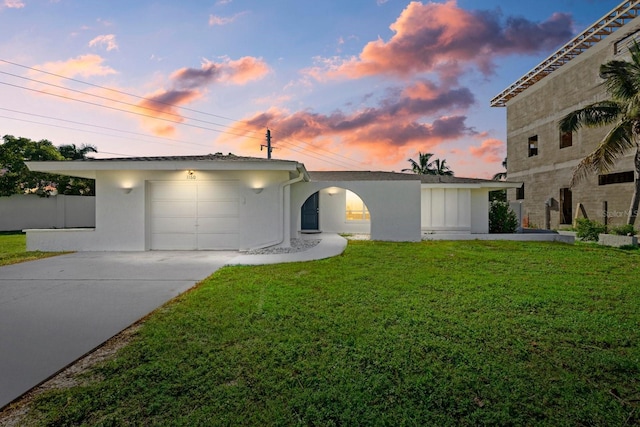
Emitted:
<point x="593" y="115"/>
<point x="613" y="146"/>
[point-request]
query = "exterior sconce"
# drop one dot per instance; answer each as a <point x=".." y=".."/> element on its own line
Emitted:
<point x="332" y="191"/>
<point x="257" y="190"/>
<point x="127" y="190"/>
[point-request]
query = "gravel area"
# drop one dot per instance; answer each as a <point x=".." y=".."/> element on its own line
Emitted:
<point x="297" y="245"/>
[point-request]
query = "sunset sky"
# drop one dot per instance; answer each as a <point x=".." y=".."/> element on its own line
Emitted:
<point x="342" y="84"/>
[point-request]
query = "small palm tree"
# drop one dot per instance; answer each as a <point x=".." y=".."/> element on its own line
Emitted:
<point x="422" y="166"/>
<point x="622" y="111"/>
<point x="71" y="152"/>
<point x="441" y="168"/>
<point x="501" y="176"/>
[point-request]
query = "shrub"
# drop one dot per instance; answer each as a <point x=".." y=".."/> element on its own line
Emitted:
<point x="502" y="219"/>
<point x="623" y="230"/>
<point x="589" y="230"/>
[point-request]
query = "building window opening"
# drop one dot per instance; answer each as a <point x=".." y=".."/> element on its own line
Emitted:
<point x="616" y="178"/>
<point x="520" y="193"/>
<point x="356" y="209"/>
<point x="566" y="139"/>
<point x="533" y="146"/>
<point x="566" y="213"/>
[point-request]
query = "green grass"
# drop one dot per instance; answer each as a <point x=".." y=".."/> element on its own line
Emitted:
<point x="389" y="334"/>
<point x="13" y="249"/>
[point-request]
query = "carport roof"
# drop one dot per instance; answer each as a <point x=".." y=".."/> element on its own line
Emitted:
<point x="87" y="168"/>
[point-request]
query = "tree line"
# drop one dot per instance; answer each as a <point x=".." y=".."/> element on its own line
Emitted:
<point x="16" y="178"/>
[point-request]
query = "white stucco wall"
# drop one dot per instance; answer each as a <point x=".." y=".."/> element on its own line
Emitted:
<point x="122" y="220"/>
<point x="394" y="207"/>
<point x="25" y="211"/>
<point x="446" y="209"/>
<point x="480" y="211"/>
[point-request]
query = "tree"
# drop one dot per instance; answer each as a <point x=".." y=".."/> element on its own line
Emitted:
<point x="71" y="152"/>
<point x="426" y="167"/>
<point x="422" y="166"/>
<point x="441" y="168"/>
<point x="69" y="185"/>
<point x="501" y="176"/>
<point x="15" y="177"/>
<point x="622" y="112"/>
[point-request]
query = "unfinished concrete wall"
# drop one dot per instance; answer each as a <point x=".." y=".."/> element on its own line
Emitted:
<point x="535" y="113"/>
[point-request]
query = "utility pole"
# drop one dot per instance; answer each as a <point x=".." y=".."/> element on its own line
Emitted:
<point x="268" y="145"/>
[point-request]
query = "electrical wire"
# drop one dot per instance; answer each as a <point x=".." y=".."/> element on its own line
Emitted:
<point x="292" y="146"/>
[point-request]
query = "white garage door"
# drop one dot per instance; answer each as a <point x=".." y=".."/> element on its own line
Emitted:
<point x="194" y="215"/>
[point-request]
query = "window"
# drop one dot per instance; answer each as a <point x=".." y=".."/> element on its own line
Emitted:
<point x="533" y="146"/>
<point x="622" y="46"/>
<point x="520" y="193"/>
<point x="566" y="139"/>
<point x="616" y="178"/>
<point x="356" y="209"/>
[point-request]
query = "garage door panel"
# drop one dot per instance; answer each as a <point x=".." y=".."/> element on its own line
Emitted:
<point x="217" y="190"/>
<point x="218" y="208"/>
<point x="194" y="215"/>
<point x="173" y="225"/>
<point x="173" y="191"/>
<point x="175" y="209"/>
<point x="217" y="225"/>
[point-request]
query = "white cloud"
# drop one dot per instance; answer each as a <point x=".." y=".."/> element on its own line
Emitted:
<point x="108" y="40"/>
<point x="221" y="20"/>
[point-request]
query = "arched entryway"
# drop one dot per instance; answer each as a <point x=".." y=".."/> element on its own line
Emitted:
<point x="335" y="210"/>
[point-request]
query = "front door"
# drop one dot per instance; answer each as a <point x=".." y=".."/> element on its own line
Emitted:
<point x="309" y="213"/>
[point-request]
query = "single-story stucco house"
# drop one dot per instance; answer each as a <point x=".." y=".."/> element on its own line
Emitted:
<point x="221" y="201"/>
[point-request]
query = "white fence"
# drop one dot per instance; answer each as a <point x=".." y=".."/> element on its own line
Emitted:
<point x="20" y="212"/>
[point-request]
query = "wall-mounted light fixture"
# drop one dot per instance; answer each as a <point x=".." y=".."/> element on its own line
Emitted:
<point x="257" y="190"/>
<point x="332" y="191"/>
<point x="127" y="190"/>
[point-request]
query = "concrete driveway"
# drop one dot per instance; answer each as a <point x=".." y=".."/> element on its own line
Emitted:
<point x="55" y="310"/>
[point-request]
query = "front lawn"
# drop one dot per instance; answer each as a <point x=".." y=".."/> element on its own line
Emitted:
<point x="391" y="334"/>
<point x="13" y="249"/>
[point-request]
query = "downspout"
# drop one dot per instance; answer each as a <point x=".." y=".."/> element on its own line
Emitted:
<point x="285" y="211"/>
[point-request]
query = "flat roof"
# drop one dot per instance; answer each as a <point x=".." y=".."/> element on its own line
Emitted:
<point x="608" y="24"/>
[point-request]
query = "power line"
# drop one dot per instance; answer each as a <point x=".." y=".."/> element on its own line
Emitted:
<point x="244" y="135"/>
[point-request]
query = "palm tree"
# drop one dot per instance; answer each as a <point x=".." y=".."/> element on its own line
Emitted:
<point x="441" y="168"/>
<point x="500" y="176"/>
<point x="422" y="166"/>
<point x="71" y="152"/>
<point x="622" y="111"/>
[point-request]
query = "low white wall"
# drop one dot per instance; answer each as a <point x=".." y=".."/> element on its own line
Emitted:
<point x="20" y="212"/>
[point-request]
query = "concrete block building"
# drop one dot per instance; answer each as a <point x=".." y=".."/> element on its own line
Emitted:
<point x="542" y="157"/>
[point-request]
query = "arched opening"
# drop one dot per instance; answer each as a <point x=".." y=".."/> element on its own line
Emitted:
<point x="334" y="210"/>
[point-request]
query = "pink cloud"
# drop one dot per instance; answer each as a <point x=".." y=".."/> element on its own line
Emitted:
<point x="490" y="151"/>
<point x="441" y="36"/>
<point x="12" y="4"/>
<point x="189" y="84"/>
<point x="81" y="66"/>
<point x="415" y="118"/>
